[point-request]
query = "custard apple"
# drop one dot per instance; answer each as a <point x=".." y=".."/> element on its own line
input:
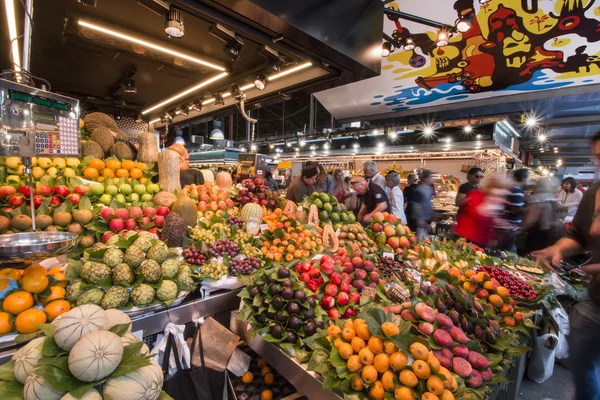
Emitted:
<point x="113" y="257"/>
<point x="112" y="241"/>
<point x="146" y="235"/>
<point x="116" y="297"/>
<point x="134" y="256"/>
<point x="142" y="295"/>
<point x="94" y="273"/>
<point x="143" y="243"/>
<point x="167" y="290"/>
<point x="173" y="253"/>
<point x="74" y="291"/>
<point x="151" y="271"/>
<point x="185" y="281"/>
<point x="130" y="234"/>
<point x="91" y="296"/>
<point x="123" y="275"/>
<point x="96" y="247"/>
<point x="159" y="252"/>
<point x="170" y="268"/>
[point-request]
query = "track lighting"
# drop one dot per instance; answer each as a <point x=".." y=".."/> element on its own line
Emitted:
<point x="219" y="99"/>
<point x="253" y="147"/>
<point x="542" y="137"/>
<point x="235" y="90"/>
<point x="217" y="133"/>
<point x="464" y="22"/>
<point x="174" y="23"/>
<point x="386" y="49"/>
<point x="182" y="111"/>
<point x="234" y="47"/>
<point x="195" y="105"/>
<point x="468" y="128"/>
<point x="128" y="86"/>
<point x="260" y="82"/>
<point x="288" y="143"/>
<point x="409" y="43"/>
<point x="442" y="39"/>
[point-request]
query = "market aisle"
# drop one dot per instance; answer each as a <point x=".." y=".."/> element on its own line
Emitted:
<point x="558" y="387"/>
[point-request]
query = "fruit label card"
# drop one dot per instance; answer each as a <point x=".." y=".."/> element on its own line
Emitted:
<point x="388" y="255"/>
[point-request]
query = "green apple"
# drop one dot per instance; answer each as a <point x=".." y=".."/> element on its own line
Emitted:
<point x="105" y="199"/>
<point x="133" y="197"/>
<point x="153" y="188"/>
<point x="97" y="189"/>
<point x="139" y="189"/>
<point x="120" y="198"/>
<point x="146" y="197"/>
<point x="112" y="190"/>
<point x="125" y="189"/>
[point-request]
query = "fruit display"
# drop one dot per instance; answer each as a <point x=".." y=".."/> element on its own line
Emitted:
<point x="327" y="210"/>
<point x="356" y="238"/>
<point x="243" y="266"/>
<point x="389" y="233"/>
<point x="133" y="218"/>
<point x="87" y="353"/>
<point x="516" y="287"/>
<point x="214" y="270"/>
<point x="97" y="169"/>
<point x="44" y="170"/>
<point x="211" y="200"/>
<point x="293" y="241"/>
<point x="254" y="191"/>
<point x="122" y="191"/>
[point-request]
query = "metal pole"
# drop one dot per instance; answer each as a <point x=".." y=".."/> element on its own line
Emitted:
<point x="27" y="35"/>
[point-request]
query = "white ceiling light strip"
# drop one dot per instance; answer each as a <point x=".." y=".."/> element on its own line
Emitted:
<point x="289" y="71"/>
<point x="11" y="20"/>
<point x="148" y="44"/>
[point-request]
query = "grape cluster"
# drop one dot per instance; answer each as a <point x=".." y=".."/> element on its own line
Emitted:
<point x="222" y="247"/>
<point x="213" y="270"/>
<point x="244" y="267"/>
<point x="250" y="251"/>
<point x="194" y="256"/>
<point x="202" y="235"/>
<point x="236" y="221"/>
<point x="219" y="227"/>
<point x="516" y="287"/>
<point x="242" y="236"/>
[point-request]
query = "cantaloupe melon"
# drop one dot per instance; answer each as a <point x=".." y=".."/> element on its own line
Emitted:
<point x="116" y="317"/>
<point x="77" y="323"/>
<point x="142" y="384"/>
<point x="208" y="175"/>
<point x="37" y="388"/>
<point x="91" y="395"/>
<point x="251" y="210"/>
<point x="95" y="356"/>
<point x="130" y="338"/>
<point x="26" y="358"/>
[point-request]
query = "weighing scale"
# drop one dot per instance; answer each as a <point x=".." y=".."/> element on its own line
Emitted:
<point x="36" y="123"/>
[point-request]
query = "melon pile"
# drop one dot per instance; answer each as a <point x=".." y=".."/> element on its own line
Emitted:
<point x="87" y="353"/>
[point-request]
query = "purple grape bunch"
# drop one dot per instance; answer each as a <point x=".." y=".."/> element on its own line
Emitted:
<point x="236" y="221"/>
<point x="194" y="256"/>
<point x="222" y="247"/>
<point x="244" y="266"/>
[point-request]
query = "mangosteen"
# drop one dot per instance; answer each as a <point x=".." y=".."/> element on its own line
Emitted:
<point x="277" y="333"/>
<point x="269" y="315"/>
<point x="280" y="316"/>
<point x="293" y="308"/>
<point x="283" y="272"/>
<point x="287" y="293"/>
<point x="270" y="279"/>
<point x="300" y="295"/>
<point x="309" y="328"/>
<point x="287" y="283"/>
<point x="293" y="323"/>
<point x="254" y="291"/>
<point x="240" y="387"/>
<point x="260" y="318"/>
<point x="312" y="302"/>
<point x="277" y="303"/>
<point x="308" y="313"/>
<point x="291" y="338"/>
<point x="274" y="290"/>
<point x="320" y="324"/>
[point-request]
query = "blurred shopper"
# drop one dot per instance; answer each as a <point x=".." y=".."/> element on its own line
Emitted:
<point x="325" y="181"/>
<point x="474" y="177"/>
<point x="288" y="177"/>
<point x="540" y="218"/>
<point x="303" y="184"/>
<point x="514" y="210"/>
<point x="340" y="189"/>
<point x="569" y="198"/>
<point x="271" y="181"/>
<point x="373" y="175"/>
<point x="423" y="208"/>
<point x="584" y="320"/>
<point x="409" y="199"/>
<point x="373" y="199"/>
<point x="395" y="197"/>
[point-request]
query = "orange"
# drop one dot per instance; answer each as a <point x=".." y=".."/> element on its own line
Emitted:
<point x="333" y="330"/>
<point x="28" y="320"/>
<point x="408" y="378"/>
<point x="376" y="391"/>
<point x="60" y="278"/>
<point x="356" y="383"/>
<point x="447" y="395"/>
<point x="419" y="351"/>
<point x="90" y="173"/>
<point x="398" y="361"/>
<point x="345" y="350"/>
<point x="381" y="362"/>
<point x="127" y="164"/>
<point x="369" y="374"/>
<point x="113" y="164"/>
<point x="362" y="331"/>
<point x="56" y="293"/>
<point x="56" y="308"/>
<point x="348" y="333"/>
<point x="429" y="396"/>
<point x="11" y="273"/>
<point x="122" y="173"/>
<point x="358" y="344"/>
<point x="34" y="283"/>
<point x="6" y="324"/>
<point x="35" y="268"/>
<point x="136" y="173"/>
<point x="265" y="371"/>
<point x="403" y="393"/>
<point x="266" y="395"/>
<point x="421" y="369"/>
<point x="389" y="348"/>
<point x="54" y="270"/>
<point x="387" y="379"/>
<point x="366" y="356"/>
<point x="435" y="385"/>
<point x="17" y="302"/>
<point x="108" y="173"/>
<point x="354" y="364"/>
<point x="390" y="329"/>
<point x="262" y="363"/>
<point x="247" y="377"/>
<point x="142" y="166"/>
<point x="96" y="163"/>
<point x="269" y="379"/>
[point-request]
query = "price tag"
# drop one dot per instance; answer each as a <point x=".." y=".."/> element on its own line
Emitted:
<point x="264" y="227"/>
<point x="337" y="232"/>
<point x="388" y="255"/>
<point x="317" y="256"/>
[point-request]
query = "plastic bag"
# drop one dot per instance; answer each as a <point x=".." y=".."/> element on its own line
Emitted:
<point x="182" y="349"/>
<point x="541" y="362"/>
<point x="562" y="322"/>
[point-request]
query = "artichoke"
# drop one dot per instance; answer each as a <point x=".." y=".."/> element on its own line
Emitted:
<point x="170" y="268"/>
<point x="94" y="273"/>
<point x="113" y="257"/>
<point x="92" y="296"/>
<point x="159" y="252"/>
<point x="167" y="291"/>
<point x="116" y="297"/>
<point x="185" y="282"/>
<point x="134" y="256"/>
<point x="113" y="240"/>
<point x="151" y="271"/>
<point x="143" y="243"/>
<point x="74" y="291"/>
<point x="123" y="275"/>
<point x="142" y="295"/>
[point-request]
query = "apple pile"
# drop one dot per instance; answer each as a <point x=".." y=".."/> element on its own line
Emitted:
<point x="133" y="218"/>
<point x="389" y="233"/>
<point x="255" y="191"/>
<point x="122" y="191"/>
<point x="16" y="197"/>
<point x="210" y="199"/>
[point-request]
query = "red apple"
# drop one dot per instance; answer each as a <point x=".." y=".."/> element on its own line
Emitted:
<point x="17" y="200"/>
<point x="331" y="289"/>
<point x="122" y="213"/>
<point x="37" y="201"/>
<point x="305" y="277"/>
<point x="116" y="225"/>
<point x="355" y="297"/>
<point x="313" y="285"/>
<point x="107" y="236"/>
<point x="150" y="212"/>
<point x="345" y="287"/>
<point x="163" y="211"/>
<point x="349" y="313"/>
<point x="348" y="267"/>
<point x="81" y="190"/>
<point x="154" y="231"/>
<point x="61" y="190"/>
<point x="159" y="221"/>
<point x="360" y="274"/>
<point x="334" y="313"/>
<point x="106" y="213"/>
<point x="131" y="224"/>
<point x="346" y="277"/>
<point x="43" y="190"/>
<point x="145" y="221"/>
<point x="327" y="302"/>
<point x="56" y="201"/>
<point x="368" y="265"/>
<point x="74" y="198"/>
<point x="336" y="278"/>
<point x="343" y="299"/>
<point x="25" y="191"/>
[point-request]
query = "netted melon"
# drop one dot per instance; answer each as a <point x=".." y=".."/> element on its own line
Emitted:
<point x="99" y="120"/>
<point x="120" y="135"/>
<point x="26" y="358"/>
<point x="91" y="395"/>
<point x="130" y="338"/>
<point x="142" y="384"/>
<point x="92" y="149"/>
<point x="77" y="323"/>
<point x="37" y="388"/>
<point x="121" y="151"/>
<point x="95" y="356"/>
<point x="104" y="137"/>
<point x="116" y="317"/>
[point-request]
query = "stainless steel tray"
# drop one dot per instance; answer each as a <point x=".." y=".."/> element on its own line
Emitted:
<point x="34" y="246"/>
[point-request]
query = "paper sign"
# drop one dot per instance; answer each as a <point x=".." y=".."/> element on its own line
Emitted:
<point x="264" y="227"/>
<point x="317" y="256"/>
<point x="388" y="255"/>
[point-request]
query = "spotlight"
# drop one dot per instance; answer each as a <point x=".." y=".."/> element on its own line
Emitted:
<point x="468" y="128"/>
<point x="409" y="43"/>
<point x="288" y="143"/>
<point x="556" y="149"/>
<point x="464" y="23"/>
<point x="219" y="99"/>
<point x="428" y="131"/>
<point x="182" y="111"/>
<point x="260" y="82"/>
<point x="302" y="143"/>
<point x="375" y="132"/>
<point x="531" y="121"/>
<point x="235" y="90"/>
<point x="478" y="137"/>
<point x="325" y="146"/>
<point x="271" y="146"/>
<point x="313" y="147"/>
<point x="253" y="147"/>
<point x="559" y="162"/>
<point x="442" y="39"/>
<point x="380" y="145"/>
<point x="174" y="23"/>
<point x="217" y="133"/>
<point x="195" y="105"/>
<point x="128" y="86"/>
<point x="386" y="49"/>
<point x="242" y="149"/>
<point x="234" y="47"/>
<point x="356" y="145"/>
<point x="448" y="140"/>
<point x="393" y="135"/>
<point x="542" y="137"/>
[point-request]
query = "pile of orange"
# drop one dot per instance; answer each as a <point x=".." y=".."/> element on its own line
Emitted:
<point x="48" y="285"/>
<point x="377" y="364"/>
<point x="98" y="170"/>
<point x="297" y="243"/>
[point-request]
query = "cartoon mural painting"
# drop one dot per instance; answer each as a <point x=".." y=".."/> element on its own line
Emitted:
<point x="512" y="46"/>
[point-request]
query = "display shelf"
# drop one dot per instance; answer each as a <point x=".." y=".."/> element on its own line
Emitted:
<point x="306" y="382"/>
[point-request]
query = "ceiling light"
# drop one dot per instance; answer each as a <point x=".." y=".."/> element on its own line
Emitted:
<point x="448" y="140"/>
<point x="442" y="39"/>
<point x="234" y="47"/>
<point x="468" y="128"/>
<point x="128" y="86"/>
<point x="312" y="147"/>
<point x="478" y="137"/>
<point x="380" y="145"/>
<point x="464" y="23"/>
<point x="247" y="87"/>
<point x="195" y="105"/>
<point x="289" y="71"/>
<point x="9" y="5"/>
<point x="154" y="121"/>
<point x="386" y="49"/>
<point x="253" y="147"/>
<point x="179" y="140"/>
<point x="531" y="121"/>
<point x="182" y="111"/>
<point x="325" y="146"/>
<point x="219" y="99"/>
<point x="186" y="92"/>
<point x="288" y="143"/>
<point x="375" y="132"/>
<point x="428" y="130"/>
<point x="559" y="162"/>
<point x="174" y="23"/>
<point x="260" y="82"/>
<point x="271" y="146"/>
<point x="302" y="142"/>
<point x="556" y="149"/>
<point x="356" y="145"/>
<point x="149" y="45"/>
<point x="542" y="137"/>
<point x="409" y="43"/>
<point x="242" y="149"/>
<point x="217" y="133"/>
<point x="393" y="135"/>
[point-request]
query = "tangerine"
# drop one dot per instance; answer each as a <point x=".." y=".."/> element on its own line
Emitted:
<point x="17" y="302"/>
<point x="369" y="374"/>
<point x="113" y="164"/>
<point x="60" y="278"/>
<point x="142" y="166"/>
<point x="357" y="344"/>
<point x="96" y="163"/>
<point x="421" y="369"/>
<point x="262" y="363"/>
<point x="54" y="270"/>
<point x="127" y="164"/>
<point x="247" y="377"/>
<point x="56" y="293"/>
<point x="28" y="320"/>
<point x="108" y="173"/>
<point x="34" y="283"/>
<point x="35" y="268"/>
<point x="122" y="173"/>
<point x="269" y="379"/>
<point x="90" y="173"/>
<point x="376" y="391"/>
<point x="11" y="273"/>
<point x="6" y="324"/>
<point x="265" y="371"/>
<point x="56" y="308"/>
<point x="266" y="395"/>
<point x="408" y="378"/>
